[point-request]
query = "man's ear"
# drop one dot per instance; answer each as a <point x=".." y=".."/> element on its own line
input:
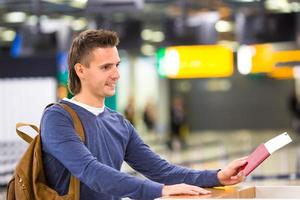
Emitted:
<point x="79" y="69"/>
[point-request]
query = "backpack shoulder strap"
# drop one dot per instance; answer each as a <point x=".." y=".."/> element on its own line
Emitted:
<point x="76" y="120"/>
<point x="23" y="135"/>
<point x="74" y="116"/>
<point x="74" y="186"/>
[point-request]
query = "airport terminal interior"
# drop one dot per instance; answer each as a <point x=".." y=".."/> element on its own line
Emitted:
<point x="227" y="69"/>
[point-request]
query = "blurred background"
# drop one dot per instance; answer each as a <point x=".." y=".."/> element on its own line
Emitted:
<point x="203" y="81"/>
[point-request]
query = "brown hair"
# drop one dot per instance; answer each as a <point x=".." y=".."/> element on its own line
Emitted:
<point x="80" y="52"/>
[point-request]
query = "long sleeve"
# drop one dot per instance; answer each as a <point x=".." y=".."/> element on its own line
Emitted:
<point x="61" y="141"/>
<point x="140" y="157"/>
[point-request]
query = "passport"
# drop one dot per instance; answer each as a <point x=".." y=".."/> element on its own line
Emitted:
<point x="263" y="151"/>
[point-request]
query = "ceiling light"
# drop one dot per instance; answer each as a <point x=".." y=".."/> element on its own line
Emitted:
<point x="148" y="50"/>
<point x="223" y="26"/>
<point x="146" y="34"/>
<point x="78" y="3"/>
<point x="158" y="36"/>
<point x="79" y="24"/>
<point x="8" y="35"/>
<point x="15" y="17"/>
<point x="281" y="5"/>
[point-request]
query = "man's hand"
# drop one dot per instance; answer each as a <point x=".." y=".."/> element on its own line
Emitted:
<point x="232" y="174"/>
<point x="169" y="190"/>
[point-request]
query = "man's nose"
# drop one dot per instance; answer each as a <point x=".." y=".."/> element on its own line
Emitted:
<point x="116" y="73"/>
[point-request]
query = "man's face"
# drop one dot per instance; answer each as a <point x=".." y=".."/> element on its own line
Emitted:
<point x="101" y="76"/>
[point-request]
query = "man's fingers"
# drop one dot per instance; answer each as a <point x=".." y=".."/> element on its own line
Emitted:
<point x="239" y="164"/>
<point x="241" y="174"/>
<point x="203" y="191"/>
<point x="169" y="190"/>
<point x="196" y="190"/>
<point x="240" y="177"/>
<point x="200" y="190"/>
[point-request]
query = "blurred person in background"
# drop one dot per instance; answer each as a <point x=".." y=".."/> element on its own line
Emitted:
<point x="130" y="111"/>
<point x="110" y="138"/>
<point x="149" y="116"/>
<point x="179" y="128"/>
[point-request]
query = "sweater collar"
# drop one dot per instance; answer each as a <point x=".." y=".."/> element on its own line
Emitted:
<point x="95" y="110"/>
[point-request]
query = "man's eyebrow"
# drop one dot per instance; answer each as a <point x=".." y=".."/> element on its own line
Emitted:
<point x="109" y="64"/>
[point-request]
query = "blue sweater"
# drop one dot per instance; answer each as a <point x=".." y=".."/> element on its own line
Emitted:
<point x="110" y="140"/>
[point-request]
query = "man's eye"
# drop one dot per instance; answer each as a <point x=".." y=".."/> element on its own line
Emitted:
<point x="106" y="67"/>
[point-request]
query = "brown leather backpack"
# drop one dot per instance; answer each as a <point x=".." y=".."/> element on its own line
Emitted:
<point x="28" y="181"/>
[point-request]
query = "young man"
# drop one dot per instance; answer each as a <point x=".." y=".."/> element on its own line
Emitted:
<point x="110" y="139"/>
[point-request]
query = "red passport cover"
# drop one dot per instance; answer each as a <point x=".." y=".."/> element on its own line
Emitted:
<point x="255" y="158"/>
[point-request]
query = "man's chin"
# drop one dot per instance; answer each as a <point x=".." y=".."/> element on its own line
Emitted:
<point x="109" y="94"/>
